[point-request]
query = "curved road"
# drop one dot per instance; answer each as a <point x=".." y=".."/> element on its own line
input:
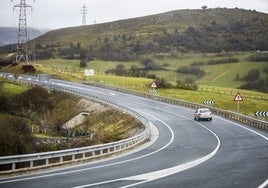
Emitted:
<point x="183" y="153"/>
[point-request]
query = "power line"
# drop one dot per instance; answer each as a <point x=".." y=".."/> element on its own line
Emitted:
<point x="84" y="12"/>
<point x="22" y="46"/>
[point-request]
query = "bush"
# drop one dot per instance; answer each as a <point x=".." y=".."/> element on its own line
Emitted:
<point x="151" y="65"/>
<point x="253" y="75"/>
<point x="186" y="86"/>
<point x="266" y="69"/>
<point x="83" y="63"/>
<point x="223" y="61"/>
<point x="35" y="99"/>
<point x="192" y="70"/>
<point x="15" y="136"/>
<point x="4" y="63"/>
<point x="120" y="70"/>
<point x="162" y="83"/>
<point x="259" y="85"/>
<point x="28" y="69"/>
<point x="260" y="57"/>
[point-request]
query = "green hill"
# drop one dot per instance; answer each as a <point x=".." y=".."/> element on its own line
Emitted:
<point x="210" y="30"/>
<point x="212" y="47"/>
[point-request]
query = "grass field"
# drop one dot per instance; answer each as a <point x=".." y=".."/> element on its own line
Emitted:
<point x="218" y="84"/>
<point x="10" y="88"/>
<point x="221" y="75"/>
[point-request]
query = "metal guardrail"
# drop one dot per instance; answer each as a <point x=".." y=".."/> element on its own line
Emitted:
<point x="62" y="156"/>
<point x="225" y="113"/>
<point x="99" y="150"/>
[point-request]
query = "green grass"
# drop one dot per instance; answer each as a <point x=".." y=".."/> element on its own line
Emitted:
<point x="218" y="84"/>
<point x="12" y="89"/>
<point x="121" y="81"/>
<point x="223" y="97"/>
<point x="39" y="135"/>
<point x="221" y="75"/>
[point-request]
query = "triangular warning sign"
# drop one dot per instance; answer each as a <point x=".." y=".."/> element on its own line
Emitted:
<point x="154" y="85"/>
<point x="238" y="97"/>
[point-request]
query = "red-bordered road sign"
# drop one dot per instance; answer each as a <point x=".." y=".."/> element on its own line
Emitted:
<point x="238" y="98"/>
<point x="154" y="85"/>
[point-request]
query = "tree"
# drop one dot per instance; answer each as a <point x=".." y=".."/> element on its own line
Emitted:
<point x="83" y="63"/>
<point x="253" y="75"/>
<point x="15" y="136"/>
<point x="204" y="7"/>
<point x="120" y="70"/>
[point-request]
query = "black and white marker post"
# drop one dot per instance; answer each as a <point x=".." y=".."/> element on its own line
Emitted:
<point x="261" y="113"/>
<point x="208" y="102"/>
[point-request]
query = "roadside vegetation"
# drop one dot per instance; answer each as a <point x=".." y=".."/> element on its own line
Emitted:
<point x="191" y="55"/>
<point x="31" y="121"/>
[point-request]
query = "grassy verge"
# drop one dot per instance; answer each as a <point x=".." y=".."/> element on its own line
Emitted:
<point x="218" y="84"/>
<point x="10" y="88"/>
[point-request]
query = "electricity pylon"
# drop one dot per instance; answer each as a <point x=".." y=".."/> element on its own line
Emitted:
<point x="84" y="12"/>
<point x="22" y="46"/>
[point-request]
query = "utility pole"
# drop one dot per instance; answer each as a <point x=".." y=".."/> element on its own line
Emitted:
<point x="22" y="46"/>
<point x="84" y="12"/>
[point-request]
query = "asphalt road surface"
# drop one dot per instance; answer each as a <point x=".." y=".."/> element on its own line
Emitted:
<point x="182" y="153"/>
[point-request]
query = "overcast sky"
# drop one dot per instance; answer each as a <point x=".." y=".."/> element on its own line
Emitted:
<point x="53" y="14"/>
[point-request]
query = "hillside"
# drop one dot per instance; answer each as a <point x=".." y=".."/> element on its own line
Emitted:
<point x="211" y="30"/>
<point x="210" y="47"/>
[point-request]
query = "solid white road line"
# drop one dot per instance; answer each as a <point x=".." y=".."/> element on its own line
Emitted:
<point x="147" y="177"/>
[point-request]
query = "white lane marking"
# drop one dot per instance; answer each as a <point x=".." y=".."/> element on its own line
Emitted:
<point x="241" y="126"/>
<point x="112" y="93"/>
<point x="233" y="124"/>
<point x="264" y="184"/>
<point x="81" y="88"/>
<point x="147" y="177"/>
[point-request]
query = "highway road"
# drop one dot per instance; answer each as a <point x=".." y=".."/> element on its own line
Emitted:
<point x="182" y="153"/>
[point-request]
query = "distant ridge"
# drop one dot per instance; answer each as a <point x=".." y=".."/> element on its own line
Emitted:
<point x="8" y="35"/>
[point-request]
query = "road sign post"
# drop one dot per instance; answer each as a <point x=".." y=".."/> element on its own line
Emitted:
<point x="237" y="99"/>
<point x="153" y="86"/>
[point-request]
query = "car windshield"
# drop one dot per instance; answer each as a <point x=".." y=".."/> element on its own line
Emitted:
<point x="204" y="110"/>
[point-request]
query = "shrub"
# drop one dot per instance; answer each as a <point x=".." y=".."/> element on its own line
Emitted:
<point x="28" y="69"/>
<point x="259" y="85"/>
<point x="253" y="75"/>
<point x="192" y="70"/>
<point x="259" y="57"/>
<point x="162" y="83"/>
<point x="186" y="86"/>
<point x="223" y="61"/>
<point x="15" y="136"/>
<point x="151" y="65"/>
<point x="83" y="63"/>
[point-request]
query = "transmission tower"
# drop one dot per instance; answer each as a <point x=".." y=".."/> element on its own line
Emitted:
<point x="22" y="46"/>
<point x="84" y="12"/>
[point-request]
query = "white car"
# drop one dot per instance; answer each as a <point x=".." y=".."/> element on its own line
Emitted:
<point x="202" y="114"/>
